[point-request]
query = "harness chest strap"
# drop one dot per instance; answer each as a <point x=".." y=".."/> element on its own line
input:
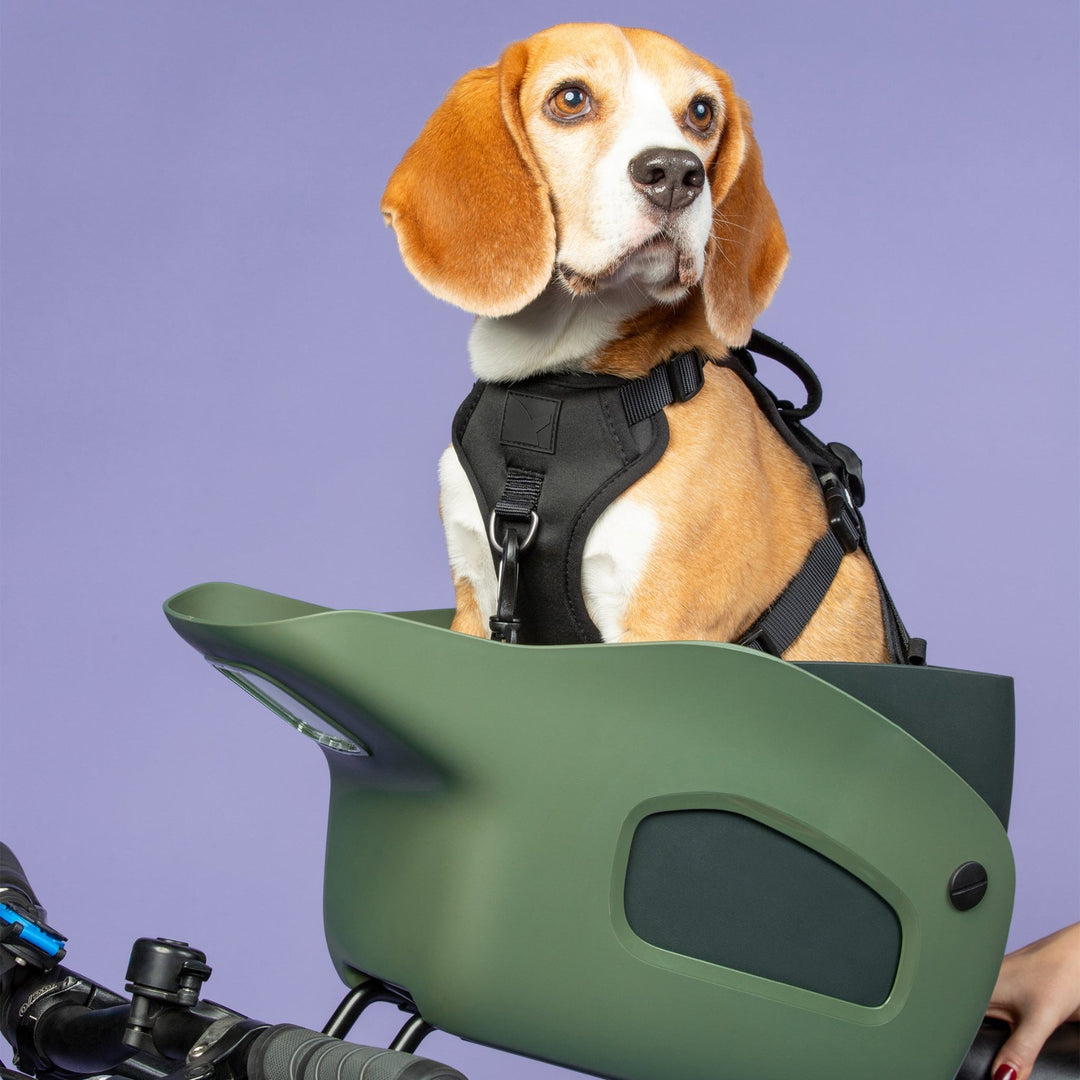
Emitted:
<point x="561" y="448"/>
<point x="513" y="522"/>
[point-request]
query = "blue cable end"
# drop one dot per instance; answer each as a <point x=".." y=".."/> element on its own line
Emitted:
<point x="32" y="933"/>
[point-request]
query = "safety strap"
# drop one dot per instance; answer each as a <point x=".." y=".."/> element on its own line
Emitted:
<point x="777" y="628"/>
<point x="839" y="472"/>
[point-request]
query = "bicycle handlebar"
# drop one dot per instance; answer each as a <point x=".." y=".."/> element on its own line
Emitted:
<point x="1059" y="1058"/>
<point x="286" y="1052"/>
<point x="65" y="1037"/>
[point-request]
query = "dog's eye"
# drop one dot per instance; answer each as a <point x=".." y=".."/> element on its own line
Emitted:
<point x="569" y="103"/>
<point x="700" y="114"/>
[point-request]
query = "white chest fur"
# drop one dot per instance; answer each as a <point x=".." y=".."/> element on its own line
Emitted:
<point x="615" y="555"/>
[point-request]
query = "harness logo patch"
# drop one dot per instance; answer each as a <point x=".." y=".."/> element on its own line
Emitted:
<point x="530" y="422"/>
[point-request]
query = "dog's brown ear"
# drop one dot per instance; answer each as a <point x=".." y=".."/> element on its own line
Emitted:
<point x="746" y="253"/>
<point x="468" y="203"/>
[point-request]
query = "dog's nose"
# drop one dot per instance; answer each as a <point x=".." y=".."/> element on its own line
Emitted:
<point x="669" y="179"/>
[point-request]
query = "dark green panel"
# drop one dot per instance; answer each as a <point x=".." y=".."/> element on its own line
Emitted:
<point x="966" y="719"/>
<point x="724" y="888"/>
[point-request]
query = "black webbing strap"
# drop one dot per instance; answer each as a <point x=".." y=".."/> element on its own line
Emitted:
<point x="903" y="648"/>
<point x="839" y="471"/>
<point x="520" y="494"/>
<point x="776" y="630"/>
<point x="679" y="379"/>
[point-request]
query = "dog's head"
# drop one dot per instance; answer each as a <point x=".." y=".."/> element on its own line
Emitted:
<point x="597" y="157"/>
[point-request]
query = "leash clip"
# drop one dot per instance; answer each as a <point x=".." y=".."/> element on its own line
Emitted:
<point x="505" y="623"/>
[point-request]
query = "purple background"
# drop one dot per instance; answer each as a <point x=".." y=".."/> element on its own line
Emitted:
<point x="216" y="367"/>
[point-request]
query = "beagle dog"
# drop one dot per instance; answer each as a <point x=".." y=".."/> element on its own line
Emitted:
<point x="596" y="198"/>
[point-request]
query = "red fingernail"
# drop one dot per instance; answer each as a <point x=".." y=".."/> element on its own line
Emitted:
<point x="1004" y="1072"/>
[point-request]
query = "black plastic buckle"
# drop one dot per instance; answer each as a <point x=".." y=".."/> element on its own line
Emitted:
<point x="840" y="510"/>
<point x="757" y="638"/>
<point x="685" y="376"/>
<point x="853" y="479"/>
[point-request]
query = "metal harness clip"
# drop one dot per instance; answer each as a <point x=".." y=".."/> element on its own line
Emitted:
<point x="505" y="624"/>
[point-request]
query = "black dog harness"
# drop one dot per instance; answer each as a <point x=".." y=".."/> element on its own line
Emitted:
<point x="546" y="456"/>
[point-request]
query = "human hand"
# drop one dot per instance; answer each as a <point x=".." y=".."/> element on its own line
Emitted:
<point x="1037" y="989"/>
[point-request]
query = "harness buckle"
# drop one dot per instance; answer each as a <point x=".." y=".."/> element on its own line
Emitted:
<point x="840" y="509"/>
<point x="684" y="375"/>
<point x="852" y="466"/>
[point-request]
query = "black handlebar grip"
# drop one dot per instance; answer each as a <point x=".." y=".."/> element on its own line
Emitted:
<point x="1058" y="1060"/>
<point x="287" y="1052"/>
<point x="12" y="876"/>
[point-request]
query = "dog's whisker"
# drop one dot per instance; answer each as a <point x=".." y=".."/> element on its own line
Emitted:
<point x="718" y="247"/>
<point x="720" y="219"/>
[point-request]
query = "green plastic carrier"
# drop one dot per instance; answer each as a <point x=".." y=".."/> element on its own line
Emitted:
<point x="647" y="861"/>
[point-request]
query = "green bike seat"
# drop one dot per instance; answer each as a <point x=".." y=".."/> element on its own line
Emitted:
<point x="645" y="861"/>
